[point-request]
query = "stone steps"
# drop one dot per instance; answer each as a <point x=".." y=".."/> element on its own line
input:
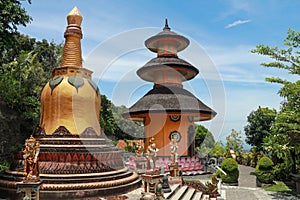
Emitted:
<point x="180" y="193"/>
<point x="189" y="194"/>
<point x="185" y="193"/>
<point x="197" y="196"/>
<point x="174" y="188"/>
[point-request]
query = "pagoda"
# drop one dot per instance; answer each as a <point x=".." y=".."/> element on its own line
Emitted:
<point x="75" y="159"/>
<point x="168" y="111"/>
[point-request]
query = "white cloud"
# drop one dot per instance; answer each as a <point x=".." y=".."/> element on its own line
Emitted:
<point x="238" y="22"/>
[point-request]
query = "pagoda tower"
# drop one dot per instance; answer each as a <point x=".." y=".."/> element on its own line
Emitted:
<point x="75" y="159"/>
<point x="168" y="110"/>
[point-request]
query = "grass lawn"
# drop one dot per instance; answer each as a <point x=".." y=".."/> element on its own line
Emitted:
<point x="279" y="186"/>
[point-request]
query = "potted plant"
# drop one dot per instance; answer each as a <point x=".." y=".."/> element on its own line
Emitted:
<point x="230" y="166"/>
<point x="264" y="171"/>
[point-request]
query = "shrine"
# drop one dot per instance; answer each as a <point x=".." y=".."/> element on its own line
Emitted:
<point x="75" y="159"/>
<point x="169" y="111"/>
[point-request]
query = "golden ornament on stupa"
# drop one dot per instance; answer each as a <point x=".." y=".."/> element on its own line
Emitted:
<point x="71" y="99"/>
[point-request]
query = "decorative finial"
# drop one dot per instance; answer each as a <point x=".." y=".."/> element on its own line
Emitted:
<point x="166" y="25"/>
<point x="74" y="17"/>
<point x="72" y="49"/>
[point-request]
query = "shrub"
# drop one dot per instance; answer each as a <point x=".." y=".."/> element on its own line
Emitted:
<point x="264" y="170"/>
<point x="218" y="173"/>
<point x="230" y="166"/>
<point x="265" y="163"/>
<point x="4" y="165"/>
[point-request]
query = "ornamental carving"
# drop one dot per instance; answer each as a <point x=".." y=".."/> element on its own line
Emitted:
<point x="175" y="135"/>
<point x="62" y="131"/>
<point x="89" y="132"/>
<point x="175" y="118"/>
<point x="30" y="155"/>
<point x="76" y="81"/>
<point x="55" y="82"/>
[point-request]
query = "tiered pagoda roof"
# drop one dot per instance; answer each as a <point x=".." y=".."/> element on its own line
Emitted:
<point x="167" y="71"/>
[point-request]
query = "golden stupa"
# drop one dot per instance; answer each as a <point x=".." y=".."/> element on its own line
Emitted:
<point x="75" y="159"/>
<point x="71" y="99"/>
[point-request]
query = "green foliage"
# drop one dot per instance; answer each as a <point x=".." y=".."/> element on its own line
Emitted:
<point x="283" y="142"/>
<point x="244" y="159"/>
<point x="234" y="141"/>
<point x="264" y="170"/>
<point x="282" y="170"/>
<point x="11" y="15"/>
<point x="23" y="78"/>
<point x="218" y="150"/>
<point x="106" y="117"/>
<point x="128" y="128"/>
<point x="255" y="158"/>
<point x="265" y="163"/>
<point x="26" y="64"/>
<point x="230" y="166"/>
<point x="114" y="125"/>
<point x="249" y="158"/>
<point x="279" y="186"/>
<point x="259" y="126"/>
<point x="218" y="173"/>
<point x="4" y="165"/>
<point x="204" y="139"/>
<point x="130" y="147"/>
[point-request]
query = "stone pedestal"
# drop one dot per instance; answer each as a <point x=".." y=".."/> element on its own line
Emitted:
<point x="30" y="190"/>
<point x="151" y="180"/>
<point x="174" y="169"/>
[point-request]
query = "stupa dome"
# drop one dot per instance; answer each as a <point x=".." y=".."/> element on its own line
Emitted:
<point x="71" y="99"/>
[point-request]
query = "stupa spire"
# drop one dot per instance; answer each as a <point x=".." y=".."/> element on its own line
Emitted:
<point x="166" y="25"/>
<point x="72" y="49"/>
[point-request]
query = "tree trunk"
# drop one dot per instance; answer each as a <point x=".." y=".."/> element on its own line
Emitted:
<point x="293" y="155"/>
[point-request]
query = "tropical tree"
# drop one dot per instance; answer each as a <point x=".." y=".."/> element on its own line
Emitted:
<point x="127" y="128"/>
<point x="26" y="64"/>
<point x="234" y="141"/>
<point x="11" y="16"/>
<point x="259" y="126"/>
<point x="204" y="139"/>
<point x="285" y="137"/>
<point x="114" y="125"/>
<point x="218" y="150"/>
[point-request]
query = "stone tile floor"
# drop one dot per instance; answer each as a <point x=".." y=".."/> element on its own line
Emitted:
<point x="246" y="190"/>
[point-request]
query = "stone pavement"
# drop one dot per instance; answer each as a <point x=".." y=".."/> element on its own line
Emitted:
<point x="247" y="189"/>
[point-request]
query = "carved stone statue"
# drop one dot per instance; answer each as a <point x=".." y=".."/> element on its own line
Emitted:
<point x="139" y="150"/>
<point x="174" y="147"/>
<point x="151" y="153"/>
<point x="30" y="155"/>
<point x="210" y="188"/>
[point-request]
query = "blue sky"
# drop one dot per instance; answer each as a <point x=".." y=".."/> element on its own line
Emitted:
<point x="222" y="33"/>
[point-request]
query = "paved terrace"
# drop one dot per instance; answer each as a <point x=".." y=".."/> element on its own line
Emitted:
<point x="247" y="189"/>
